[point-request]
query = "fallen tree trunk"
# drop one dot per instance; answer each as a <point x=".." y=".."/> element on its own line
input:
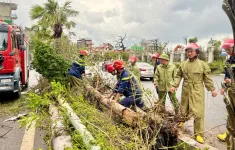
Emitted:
<point x="159" y="131"/>
<point x="127" y="114"/>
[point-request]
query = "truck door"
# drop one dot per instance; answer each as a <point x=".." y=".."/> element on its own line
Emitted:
<point x="26" y="61"/>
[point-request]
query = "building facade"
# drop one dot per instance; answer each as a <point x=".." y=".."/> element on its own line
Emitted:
<point x="6" y="11"/>
<point x="106" y="46"/>
<point x="84" y="43"/>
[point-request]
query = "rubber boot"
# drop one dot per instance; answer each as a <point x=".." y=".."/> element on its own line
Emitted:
<point x="200" y="139"/>
<point x="181" y="124"/>
<point x="222" y="137"/>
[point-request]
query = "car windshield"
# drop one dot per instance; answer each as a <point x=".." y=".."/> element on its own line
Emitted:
<point x="3" y="41"/>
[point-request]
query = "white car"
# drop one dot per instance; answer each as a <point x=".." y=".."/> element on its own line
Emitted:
<point x="146" y="70"/>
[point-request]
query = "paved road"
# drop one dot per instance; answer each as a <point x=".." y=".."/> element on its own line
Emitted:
<point x="13" y="139"/>
<point x="215" y="112"/>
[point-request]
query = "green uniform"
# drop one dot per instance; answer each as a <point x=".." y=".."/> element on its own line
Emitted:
<point x="135" y="71"/>
<point x="194" y="73"/>
<point x="164" y="79"/>
<point x="231" y="112"/>
<point x="75" y="82"/>
<point x="230" y="122"/>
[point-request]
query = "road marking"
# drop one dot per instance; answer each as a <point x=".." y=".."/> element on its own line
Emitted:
<point x="28" y="139"/>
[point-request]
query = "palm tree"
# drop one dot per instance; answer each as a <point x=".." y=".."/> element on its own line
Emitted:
<point x="54" y="16"/>
<point x="41" y="32"/>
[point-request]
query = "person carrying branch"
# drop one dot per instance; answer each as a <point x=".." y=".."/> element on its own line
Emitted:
<point x="163" y="80"/>
<point x="229" y="94"/>
<point x="196" y="74"/>
<point x="225" y="84"/>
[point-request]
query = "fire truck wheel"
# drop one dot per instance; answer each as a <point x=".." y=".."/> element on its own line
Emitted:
<point x="26" y="85"/>
<point x="18" y="93"/>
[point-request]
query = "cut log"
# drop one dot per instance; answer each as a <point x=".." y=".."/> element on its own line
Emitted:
<point x="129" y="116"/>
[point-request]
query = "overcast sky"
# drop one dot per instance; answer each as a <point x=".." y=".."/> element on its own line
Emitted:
<point x="169" y="20"/>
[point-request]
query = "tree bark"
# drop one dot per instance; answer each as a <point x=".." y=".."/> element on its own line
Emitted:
<point x="129" y="116"/>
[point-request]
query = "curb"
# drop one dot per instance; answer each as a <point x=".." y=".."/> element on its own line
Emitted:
<point x="61" y="138"/>
<point x="191" y="142"/>
<point x="87" y="137"/>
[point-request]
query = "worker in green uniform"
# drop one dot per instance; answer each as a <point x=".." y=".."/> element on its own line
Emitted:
<point x="163" y="80"/>
<point x="225" y="86"/>
<point x="133" y="68"/>
<point x="77" y="69"/>
<point x="194" y="72"/>
<point x="228" y="45"/>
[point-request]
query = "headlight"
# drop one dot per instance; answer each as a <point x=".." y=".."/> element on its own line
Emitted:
<point x="6" y="81"/>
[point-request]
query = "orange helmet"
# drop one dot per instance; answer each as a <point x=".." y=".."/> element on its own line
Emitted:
<point x="133" y="58"/>
<point x="118" y="64"/>
<point x="83" y="52"/>
<point x="110" y="68"/>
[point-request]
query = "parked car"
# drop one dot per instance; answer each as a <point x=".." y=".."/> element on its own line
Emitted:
<point x="223" y="53"/>
<point x="146" y="70"/>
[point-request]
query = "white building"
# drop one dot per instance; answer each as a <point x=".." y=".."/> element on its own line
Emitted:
<point x="6" y="11"/>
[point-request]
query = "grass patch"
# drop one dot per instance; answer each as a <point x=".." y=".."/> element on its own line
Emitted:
<point x="12" y="106"/>
<point x="217" y="67"/>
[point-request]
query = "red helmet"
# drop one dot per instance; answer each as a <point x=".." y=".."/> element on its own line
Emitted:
<point x="193" y="46"/>
<point x="228" y="43"/>
<point x="133" y="58"/>
<point x="118" y="64"/>
<point x="110" y="68"/>
<point x="155" y="55"/>
<point x="83" y="52"/>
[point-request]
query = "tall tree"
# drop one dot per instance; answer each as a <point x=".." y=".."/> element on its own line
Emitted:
<point x="51" y="15"/>
<point x="156" y="43"/>
<point x="120" y="42"/>
<point x="215" y="43"/>
<point x="193" y="40"/>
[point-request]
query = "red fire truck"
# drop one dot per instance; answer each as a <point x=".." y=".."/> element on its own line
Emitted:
<point x="14" y="59"/>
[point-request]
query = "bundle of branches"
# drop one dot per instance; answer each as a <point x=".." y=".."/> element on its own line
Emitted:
<point x="49" y="64"/>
